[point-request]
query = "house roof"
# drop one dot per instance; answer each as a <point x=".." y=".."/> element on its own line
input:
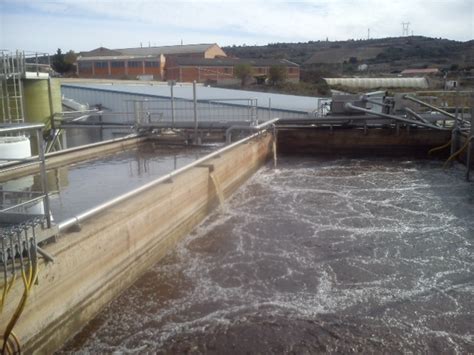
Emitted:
<point x="117" y="57"/>
<point x="179" y="49"/>
<point x="142" y="52"/>
<point x="99" y="52"/>
<point x="230" y="62"/>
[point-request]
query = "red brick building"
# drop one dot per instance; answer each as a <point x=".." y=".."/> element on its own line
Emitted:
<point x="135" y="62"/>
<point x="221" y="70"/>
<point x="184" y="63"/>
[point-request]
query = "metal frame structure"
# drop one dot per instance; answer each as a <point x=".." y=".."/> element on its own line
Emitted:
<point x="12" y="69"/>
<point x="38" y="128"/>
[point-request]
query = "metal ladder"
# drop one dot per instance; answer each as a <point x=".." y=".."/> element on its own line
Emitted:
<point x="12" y="68"/>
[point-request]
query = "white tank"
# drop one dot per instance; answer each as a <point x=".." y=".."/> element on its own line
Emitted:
<point x="14" y="147"/>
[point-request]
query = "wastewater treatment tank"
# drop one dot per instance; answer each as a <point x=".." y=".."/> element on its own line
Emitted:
<point x="318" y="255"/>
<point x="84" y="185"/>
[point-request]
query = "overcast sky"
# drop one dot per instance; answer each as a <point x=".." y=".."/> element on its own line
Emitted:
<point x="41" y="25"/>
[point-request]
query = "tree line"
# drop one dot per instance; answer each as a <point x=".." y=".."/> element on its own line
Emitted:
<point x="246" y="73"/>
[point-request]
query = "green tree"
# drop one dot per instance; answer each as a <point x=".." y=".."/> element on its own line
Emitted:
<point x="244" y="72"/>
<point x="277" y="74"/>
<point x="70" y="57"/>
<point x="59" y="63"/>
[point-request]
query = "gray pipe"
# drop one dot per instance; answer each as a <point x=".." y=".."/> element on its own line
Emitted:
<point x="94" y="211"/>
<point x="228" y="132"/>
<point x="416" y="115"/>
<point x="190" y="124"/>
<point x="349" y="106"/>
<point x="411" y="98"/>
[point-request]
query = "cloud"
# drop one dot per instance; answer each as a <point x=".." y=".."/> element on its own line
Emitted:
<point x="84" y="24"/>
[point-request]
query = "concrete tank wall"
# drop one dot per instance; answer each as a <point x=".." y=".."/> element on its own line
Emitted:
<point x="349" y="141"/>
<point x="94" y="265"/>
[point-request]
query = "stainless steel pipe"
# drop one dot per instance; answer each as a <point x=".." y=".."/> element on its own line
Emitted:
<point x="393" y="117"/>
<point x="228" y="132"/>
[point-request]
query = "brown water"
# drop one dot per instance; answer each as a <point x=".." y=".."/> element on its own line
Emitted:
<point x="81" y="186"/>
<point x="315" y="256"/>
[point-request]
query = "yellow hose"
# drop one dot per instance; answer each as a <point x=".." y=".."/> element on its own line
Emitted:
<point x="6" y="289"/>
<point x="28" y="283"/>
<point x="441" y="147"/>
<point x="455" y="154"/>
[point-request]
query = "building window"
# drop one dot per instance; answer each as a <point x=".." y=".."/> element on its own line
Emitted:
<point x="134" y="64"/>
<point x="101" y="65"/>
<point x="226" y="70"/>
<point x="117" y="64"/>
<point x="152" y="64"/>
<point x="291" y="70"/>
<point x="260" y="70"/>
<point x="85" y="65"/>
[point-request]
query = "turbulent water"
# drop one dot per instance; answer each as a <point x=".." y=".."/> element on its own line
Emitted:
<point x="315" y="256"/>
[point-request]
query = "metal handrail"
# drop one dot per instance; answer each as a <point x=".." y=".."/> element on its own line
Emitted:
<point x="9" y="128"/>
<point x="5" y="167"/>
<point x="25" y="203"/>
<point x="228" y="132"/>
<point x="41" y="158"/>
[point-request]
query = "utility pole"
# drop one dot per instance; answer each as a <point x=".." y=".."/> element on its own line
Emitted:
<point x="405" y="29"/>
<point x="368" y="33"/>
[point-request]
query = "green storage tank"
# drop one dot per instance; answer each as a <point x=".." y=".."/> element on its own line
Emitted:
<point x="36" y="98"/>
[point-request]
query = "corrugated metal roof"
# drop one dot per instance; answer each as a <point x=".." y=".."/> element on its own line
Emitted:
<point x="101" y="51"/>
<point x="372" y="83"/>
<point x="179" y="49"/>
<point x="185" y="91"/>
<point x="141" y="52"/>
<point x="219" y="62"/>
<point x="120" y="57"/>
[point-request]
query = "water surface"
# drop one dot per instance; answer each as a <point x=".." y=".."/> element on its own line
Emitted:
<point x="81" y="186"/>
<point x="345" y="255"/>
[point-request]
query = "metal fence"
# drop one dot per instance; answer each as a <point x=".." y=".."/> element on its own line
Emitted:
<point x="151" y="111"/>
<point x="122" y="107"/>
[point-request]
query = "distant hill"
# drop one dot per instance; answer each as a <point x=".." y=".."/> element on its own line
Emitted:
<point x="382" y="55"/>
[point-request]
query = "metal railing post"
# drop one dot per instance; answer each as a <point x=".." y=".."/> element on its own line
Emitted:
<point x="36" y="62"/>
<point x="195" y="113"/>
<point x="269" y="108"/>
<point x="454" y="134"/>
<point x="172" y="83"/>
<point x="44" y="183"/>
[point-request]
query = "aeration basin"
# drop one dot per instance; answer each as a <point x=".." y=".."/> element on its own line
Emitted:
<point x="332" y="255"/>
<point x="329" y="251"/>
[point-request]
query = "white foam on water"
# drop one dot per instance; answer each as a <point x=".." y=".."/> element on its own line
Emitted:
<point x="383" y="242"/>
